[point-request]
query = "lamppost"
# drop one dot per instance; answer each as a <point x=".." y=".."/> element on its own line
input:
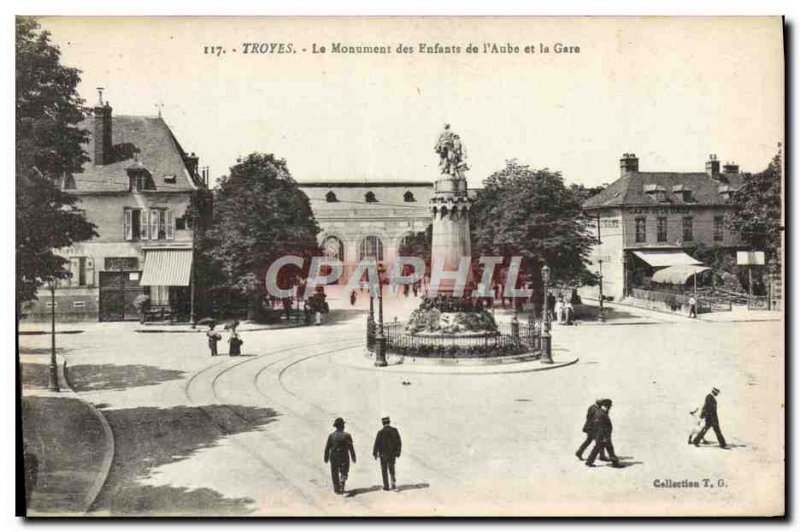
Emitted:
<point x="602" y="315"/>
<point x="380" y="339"/>
<point x="547" y="356"/>
<point x="371" y="324"/>
<point x="52" y="385"/>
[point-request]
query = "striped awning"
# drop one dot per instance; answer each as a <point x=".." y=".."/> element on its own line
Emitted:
<point x="661" y="258"/>
<point x="678" y="274"/>
<point x="167" y="267"/>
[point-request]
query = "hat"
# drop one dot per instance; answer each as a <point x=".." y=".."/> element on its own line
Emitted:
<point x="607" y="402"/>
<point x="338" y="423"/>
<point x="385" y="420"/>
<point x="599" y="402"/>
<point x="714" y="391"/>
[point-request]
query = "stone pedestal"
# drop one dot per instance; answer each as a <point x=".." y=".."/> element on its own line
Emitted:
<point x="451" y="241"/>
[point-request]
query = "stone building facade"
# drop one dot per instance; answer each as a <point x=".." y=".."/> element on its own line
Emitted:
<point x="368" y="219"/>
<point x="135" y="188"/>
<point x="648" y="220"/>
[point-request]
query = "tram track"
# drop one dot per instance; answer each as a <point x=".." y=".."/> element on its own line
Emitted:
<point x="224" y="424"/>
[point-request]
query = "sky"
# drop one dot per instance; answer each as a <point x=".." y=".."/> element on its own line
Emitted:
<point x="670" y="90"/>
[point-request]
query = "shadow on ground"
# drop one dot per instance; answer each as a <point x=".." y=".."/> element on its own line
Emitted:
<point x="147" y="438"/>
<point x="64" y="448"/>
<point x="89" y="377"/>
<point x="35" y="375"/>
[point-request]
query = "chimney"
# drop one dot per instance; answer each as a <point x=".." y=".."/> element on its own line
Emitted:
<point x="712" y="166"/>
<point x="102" y="131"/>
<point x="191" y="164"/>
<point x="629" y="163"/>
<point x="730" y="168"/>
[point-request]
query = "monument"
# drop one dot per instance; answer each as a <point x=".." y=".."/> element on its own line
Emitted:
<point x="450" y="209"/>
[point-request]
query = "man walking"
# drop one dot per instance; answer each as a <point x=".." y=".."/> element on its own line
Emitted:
<point x="338" y="450"/>
<point x="387" y="447"/>
<point x="709" y="414"/>
<point x="603" y="428"/>
<point x="692" y="307"/>
<point x="588" y="428"/>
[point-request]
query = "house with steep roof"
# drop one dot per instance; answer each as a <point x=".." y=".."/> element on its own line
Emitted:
<point x="136" y="188"/>
<point x="649" y="220"/>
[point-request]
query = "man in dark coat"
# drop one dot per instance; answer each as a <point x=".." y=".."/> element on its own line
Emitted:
<point x="602" y="435"/>
<point x="387" y="447"/>
<point x="709" y="414"/>
<point x="588" y="428"/>
<point x="338" y="450"/>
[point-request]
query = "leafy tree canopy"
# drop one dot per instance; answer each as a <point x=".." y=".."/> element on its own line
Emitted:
<point x="757" y="208"/>
<point x="260" y="215"/>
<point x="48" y="147"/>
<point x="531" y="213"/>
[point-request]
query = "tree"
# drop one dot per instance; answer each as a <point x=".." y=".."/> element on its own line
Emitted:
<point x="530" y="213"/>
<point x="757" y="208"/>
<point x="48" y="147"/>
<point x="260" y="215"/>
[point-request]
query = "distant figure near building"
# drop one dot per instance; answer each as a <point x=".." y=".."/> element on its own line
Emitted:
<point x="589" y="429"/>
<point x="213" y="338"/>
<point x="338" y="451"/>
<point x="387" y="447"/>
<point x="602" y="435"/>
<point x="353" y="297"/>
<point x="692" y="307"/>
<point x="709" y="414"/>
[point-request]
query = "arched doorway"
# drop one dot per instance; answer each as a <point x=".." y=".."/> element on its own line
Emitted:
<point x="333" y="248"/>
<point x="370" y="247"/>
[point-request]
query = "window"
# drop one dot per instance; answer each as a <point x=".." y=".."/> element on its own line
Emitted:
<point x="719" y="222"/>
<point x="82" y="271"/>
<point x="136" y="224"/>
<point x="369" y="197"/>
<point x="371" y="247"/>
<point x="69" y="182"/>
<point x="688" y="235"/>
<point x="641" y="229"/>
<point x="330" y="197"/>
<point x="408" y="197"/>
<point x="662" y="229"/>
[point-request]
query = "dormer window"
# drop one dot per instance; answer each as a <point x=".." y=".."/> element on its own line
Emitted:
<point x="330" y="197"/>
<point x="684" y="192"/>
<point x="656" y="193"/>
<point x="408" y="197"/>
<point x="724" y="191"/>
<point x="139" y="177"/>
<point x="170" y="178"/>
<point x="369" y="197"/>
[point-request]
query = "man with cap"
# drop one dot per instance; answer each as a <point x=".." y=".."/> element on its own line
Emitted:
<point x="588" y="428"/>
<point x="709" y="414"/>
<point x="387" y="447"/>
<point x="602" y="435"/>
<point x="338" y="451"/>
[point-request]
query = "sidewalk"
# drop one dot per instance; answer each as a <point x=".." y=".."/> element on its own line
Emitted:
<point x="68" y="442"/>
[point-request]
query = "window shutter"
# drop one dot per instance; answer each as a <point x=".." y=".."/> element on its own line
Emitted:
<point x="154" y="225"/>
<point x="75" y="269"/>
<point x="170" y="225"/>
<point x="127" y="226"/>
<point x="143" y="224"/>
<point x="89" y="271"/>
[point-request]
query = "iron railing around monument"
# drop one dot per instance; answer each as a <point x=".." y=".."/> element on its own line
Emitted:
<point x="508" y="341"/>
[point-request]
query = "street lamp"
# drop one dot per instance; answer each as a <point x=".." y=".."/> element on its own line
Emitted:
<point x="52" y="385"/>
<point x="371" y="324"/>
<point x="602" y="315"/>
<point x="547" y="356"/>
<point x="380" y="338"/>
